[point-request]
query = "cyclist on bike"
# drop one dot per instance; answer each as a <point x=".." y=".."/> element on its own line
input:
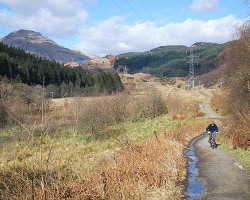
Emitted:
<point x="212" y="129"/>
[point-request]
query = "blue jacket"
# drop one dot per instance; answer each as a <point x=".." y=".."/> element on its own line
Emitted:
<point x="212" y="128"/>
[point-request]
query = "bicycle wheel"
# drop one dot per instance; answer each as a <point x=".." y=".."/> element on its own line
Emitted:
<point x="213" y="142"/>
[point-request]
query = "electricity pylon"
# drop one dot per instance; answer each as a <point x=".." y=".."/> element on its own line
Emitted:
<point x="191" y="66"/>
<point x="125" y="71"/>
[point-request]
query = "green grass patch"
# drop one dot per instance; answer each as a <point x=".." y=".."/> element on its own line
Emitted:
<point x="241" y="155"/>
<point x="141" y="130"/>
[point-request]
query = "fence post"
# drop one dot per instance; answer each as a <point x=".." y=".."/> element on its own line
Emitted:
<point x="155" y="135"/>
<point x="164" y="133"/>
<point x="114" y="160"/>
<point x="92" y="129"/>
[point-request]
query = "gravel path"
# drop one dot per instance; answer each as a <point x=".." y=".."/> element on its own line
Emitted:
<point x="205" y="108"/>
<point x="221" y="175"/>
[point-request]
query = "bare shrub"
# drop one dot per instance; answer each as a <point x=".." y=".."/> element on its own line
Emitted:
<point x="119" y="106"/>
<point x="241" y="136"/>
<point x="147" y="103"/>
<point x="154" y="103"/>
<point x="18" y="109"/>
<point x="175" y="103"/>
<point x="93" y="115"/>
<point x="3" y="114"/>
<point x="22" y="102"/>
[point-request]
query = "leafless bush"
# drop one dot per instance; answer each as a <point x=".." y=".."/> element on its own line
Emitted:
<point x="153" y="103"/>
<point x="146" y="104"/>
<point x="3" y="114"/>
<point x="22" y="102"/>
<point x="175" y="104"/>
<point x="95" y="114"/>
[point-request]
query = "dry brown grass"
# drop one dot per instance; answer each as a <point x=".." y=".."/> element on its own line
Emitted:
<point x="68" y="167"/>
<point x="150" y="169"/>
<point x="136" y="171"/>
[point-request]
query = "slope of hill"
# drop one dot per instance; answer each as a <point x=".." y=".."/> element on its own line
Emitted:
<point x="169" y="60"/>
<point x="20" y="67"/>
<point x="35" y="43"/>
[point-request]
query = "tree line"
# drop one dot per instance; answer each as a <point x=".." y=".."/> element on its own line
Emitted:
<point x="21" y="67"/>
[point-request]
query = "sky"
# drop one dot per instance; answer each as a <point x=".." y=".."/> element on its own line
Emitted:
<point x="102" y="27"/>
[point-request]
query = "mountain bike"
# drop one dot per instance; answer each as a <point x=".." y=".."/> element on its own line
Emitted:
<point x="212" y="140"/>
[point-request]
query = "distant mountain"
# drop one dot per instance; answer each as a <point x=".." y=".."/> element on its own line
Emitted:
<point x="35" y="43"/>
<point x="170" y="60"/>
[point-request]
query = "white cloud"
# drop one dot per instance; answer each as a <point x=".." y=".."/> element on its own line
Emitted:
<point x="54" y="17"/>
<point x="115" y="37"/>
<point x="204" y="5"/>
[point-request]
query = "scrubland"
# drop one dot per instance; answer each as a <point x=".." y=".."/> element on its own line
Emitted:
<point x="123" y="146"/>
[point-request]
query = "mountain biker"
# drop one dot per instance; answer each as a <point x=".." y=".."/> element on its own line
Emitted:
<point x="212" y="129"/>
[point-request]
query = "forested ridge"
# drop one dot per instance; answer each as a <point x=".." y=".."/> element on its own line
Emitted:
<point x="168" y="60"/>
<point x="21" y="67"/>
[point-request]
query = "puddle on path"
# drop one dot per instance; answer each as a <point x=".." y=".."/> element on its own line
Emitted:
<point x="194" y="190"/>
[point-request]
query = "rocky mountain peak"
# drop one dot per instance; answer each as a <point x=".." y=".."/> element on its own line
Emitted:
<point x="35" y="43"/>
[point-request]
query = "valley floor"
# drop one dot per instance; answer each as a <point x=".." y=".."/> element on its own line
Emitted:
<point x="140" y="158"/>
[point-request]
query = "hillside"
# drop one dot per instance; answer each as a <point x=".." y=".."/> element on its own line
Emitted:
<point x="35" y="43"/>
<point x="170" y="60"/>
<point x="20" y="67"/>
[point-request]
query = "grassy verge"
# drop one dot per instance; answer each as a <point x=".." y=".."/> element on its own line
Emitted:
<point x="243" y="156"/>
<point x="240" y="154"/>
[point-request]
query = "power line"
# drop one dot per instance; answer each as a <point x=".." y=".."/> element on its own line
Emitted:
<point x="23" y="18"/>
<point x="150" y="16"/>
<point x="147" y="11"/>
<point x="157" y="39"/>
<point x="49" y="35"/>
<point x="133" y="9"/>
<point x="4" y="32"/>
<point x="117" y="5"/>
<point x="26" y="19"/>
<point x="9" y="26"/>
<point x="122" y="10"/>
